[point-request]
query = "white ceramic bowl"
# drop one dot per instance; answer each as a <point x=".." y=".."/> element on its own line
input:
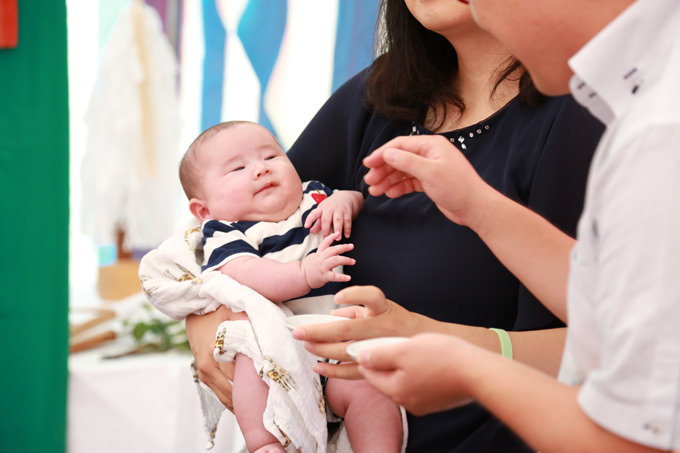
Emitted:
<point x="301" y="320"/>
<point x="358" y="346"/>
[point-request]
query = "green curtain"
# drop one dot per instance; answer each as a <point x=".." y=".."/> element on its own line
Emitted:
<point x="34" y="231"/>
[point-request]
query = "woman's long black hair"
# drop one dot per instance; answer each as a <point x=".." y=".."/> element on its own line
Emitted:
<point x="415" y="67"/>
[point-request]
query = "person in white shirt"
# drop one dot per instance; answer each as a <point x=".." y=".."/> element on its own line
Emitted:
<point x="618" y="284"/>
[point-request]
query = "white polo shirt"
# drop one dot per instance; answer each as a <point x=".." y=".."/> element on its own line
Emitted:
<point x="623" y="345"/>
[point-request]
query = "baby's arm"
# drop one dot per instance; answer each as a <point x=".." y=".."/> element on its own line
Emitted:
<point x="283" y="281"/>
<point x="337" y="211"/>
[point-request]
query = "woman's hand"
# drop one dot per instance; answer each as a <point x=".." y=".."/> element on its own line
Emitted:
<point x="372" y="315"/>
<point x="429" y="373"/>
<point x="201" y="331"/>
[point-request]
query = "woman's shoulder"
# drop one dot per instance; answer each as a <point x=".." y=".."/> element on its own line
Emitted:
<point x="355" y="84"/>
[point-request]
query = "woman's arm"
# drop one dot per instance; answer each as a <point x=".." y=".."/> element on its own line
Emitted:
<point x="375" y="316"/>
<point x="201" y="335"/>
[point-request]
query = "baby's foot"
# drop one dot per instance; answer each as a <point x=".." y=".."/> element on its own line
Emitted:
<point x="271" y="448"/>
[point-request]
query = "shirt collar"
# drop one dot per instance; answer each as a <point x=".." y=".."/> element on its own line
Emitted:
<point x="614" y="66"/>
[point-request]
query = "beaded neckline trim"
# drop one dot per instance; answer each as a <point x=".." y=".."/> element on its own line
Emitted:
<point x="457" y="138"/>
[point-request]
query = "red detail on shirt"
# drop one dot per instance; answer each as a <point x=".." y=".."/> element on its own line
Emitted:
<point x="319" y="197"/>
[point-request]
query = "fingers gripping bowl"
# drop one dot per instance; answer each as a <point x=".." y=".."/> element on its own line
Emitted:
<point x="353" y="348"/>
<point x="301" y="320"/>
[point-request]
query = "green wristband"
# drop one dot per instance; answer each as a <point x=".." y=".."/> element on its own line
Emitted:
<point x="506" y="344"/>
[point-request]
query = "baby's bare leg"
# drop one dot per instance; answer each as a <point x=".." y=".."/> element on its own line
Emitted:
<point x="372" y="420"/>
<point x="250" y="399"/>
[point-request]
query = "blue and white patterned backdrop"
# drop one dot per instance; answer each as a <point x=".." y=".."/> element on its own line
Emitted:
<point x="270" y="61"/>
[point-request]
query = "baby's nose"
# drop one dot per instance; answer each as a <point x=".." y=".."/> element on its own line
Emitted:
<point x="261" y="169"/>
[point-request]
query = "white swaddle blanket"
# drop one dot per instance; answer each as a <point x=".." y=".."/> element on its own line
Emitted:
<point x="172" y="280"/>
<point x="295" y="412"/>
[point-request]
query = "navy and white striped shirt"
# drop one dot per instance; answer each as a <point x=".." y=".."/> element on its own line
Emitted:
<point x="284" y="241"/>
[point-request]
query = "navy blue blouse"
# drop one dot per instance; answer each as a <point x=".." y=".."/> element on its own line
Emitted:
<point x="537" y="156"/>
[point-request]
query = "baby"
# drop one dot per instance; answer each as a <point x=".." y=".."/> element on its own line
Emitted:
<point x="260" y="223"/>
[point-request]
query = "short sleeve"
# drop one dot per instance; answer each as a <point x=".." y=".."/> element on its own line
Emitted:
<point x="224" y="241"/>
<point x="633" y="388"/>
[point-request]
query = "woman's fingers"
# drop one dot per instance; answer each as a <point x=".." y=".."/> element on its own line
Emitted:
<point x="335" y="351"/>
<point x="368" y="325"/>
<point x="351" y="312"/>
<point x="323" y="333"/>
<point x="217" y="376"/>
<point x="352" y="329"/>
<point x="201" y="335"/>
<point x="341" y="370"/>
<point x="370" y="297"/>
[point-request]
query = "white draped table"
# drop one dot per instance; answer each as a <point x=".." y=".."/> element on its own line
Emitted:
<point x="146" y="403"/>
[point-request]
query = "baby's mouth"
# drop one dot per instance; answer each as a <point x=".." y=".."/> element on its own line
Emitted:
<point x="266" y="187"/>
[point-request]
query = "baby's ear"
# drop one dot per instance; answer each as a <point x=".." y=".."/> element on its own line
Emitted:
<point x="199" y="209"/>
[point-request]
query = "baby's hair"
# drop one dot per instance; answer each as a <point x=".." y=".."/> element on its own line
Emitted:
<point x="187" y="166"/>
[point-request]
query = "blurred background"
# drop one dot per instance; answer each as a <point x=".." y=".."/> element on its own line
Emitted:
<point x="99" y="99"/>
<point x="134" y="112"/>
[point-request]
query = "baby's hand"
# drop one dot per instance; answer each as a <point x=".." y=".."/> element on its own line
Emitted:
<point x="335" y="213"/>
<point x="318" y="266"/>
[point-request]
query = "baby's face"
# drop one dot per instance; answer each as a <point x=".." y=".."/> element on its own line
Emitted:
<point x="247" y="176"/>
